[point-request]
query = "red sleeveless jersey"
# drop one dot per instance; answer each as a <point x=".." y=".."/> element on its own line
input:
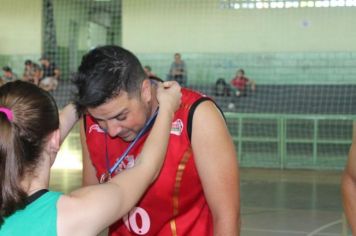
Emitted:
<point x="174" y="204"/>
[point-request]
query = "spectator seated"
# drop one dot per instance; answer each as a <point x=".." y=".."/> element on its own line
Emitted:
<point x="288" y="99"/>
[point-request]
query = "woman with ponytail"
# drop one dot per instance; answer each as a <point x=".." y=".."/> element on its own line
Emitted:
<point x="31" y="131"/>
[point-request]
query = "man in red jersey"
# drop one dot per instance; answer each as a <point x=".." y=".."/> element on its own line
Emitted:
<point x="197" y="190"/>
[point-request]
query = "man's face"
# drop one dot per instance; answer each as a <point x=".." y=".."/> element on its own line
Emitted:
<point x="177" y="58"/>
<point x="7" y="74"/>
<point x="44" y="62"/>
<point x="122" y="116"/>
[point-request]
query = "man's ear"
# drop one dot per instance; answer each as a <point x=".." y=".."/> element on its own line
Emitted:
<point x="146" y="93"/>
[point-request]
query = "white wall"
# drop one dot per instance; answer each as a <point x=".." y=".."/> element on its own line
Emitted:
<point x="20" y="27"/>
<point x="202" y="26"/>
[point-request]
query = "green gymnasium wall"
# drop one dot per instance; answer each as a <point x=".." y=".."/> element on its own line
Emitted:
<point x="20" y="36"/>
<point x="166" y="26"/>
<point x="274" y="46"/>
<point x="264" y="68"/>
<point x="20" y="26"/>
<point x="283" y="46"/>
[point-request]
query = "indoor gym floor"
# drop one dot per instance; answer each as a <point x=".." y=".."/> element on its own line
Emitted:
<point x="273" y="202"/>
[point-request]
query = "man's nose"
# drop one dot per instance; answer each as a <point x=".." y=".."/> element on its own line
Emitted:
<point x="113" y="128"/>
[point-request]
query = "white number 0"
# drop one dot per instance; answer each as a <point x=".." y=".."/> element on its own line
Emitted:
<point x="138" y="221"/>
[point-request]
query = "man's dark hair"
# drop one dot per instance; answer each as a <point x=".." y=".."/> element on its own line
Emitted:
<point x="7" y="69"/>
<point x="104" y="72"/>
<point x="222" y="88"/>
<point x="148" y="68"/>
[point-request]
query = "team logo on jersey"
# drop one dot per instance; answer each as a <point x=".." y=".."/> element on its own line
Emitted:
<point x="177" y="127"/>
<point x="95" y="127"/>
<point x="127" y="163"/>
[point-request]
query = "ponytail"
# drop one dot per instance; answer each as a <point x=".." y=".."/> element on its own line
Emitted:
<point x="28" y="115"/>
<point x="12" y="197"/>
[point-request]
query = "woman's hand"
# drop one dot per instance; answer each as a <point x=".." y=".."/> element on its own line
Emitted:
<point x="169" y="96"/>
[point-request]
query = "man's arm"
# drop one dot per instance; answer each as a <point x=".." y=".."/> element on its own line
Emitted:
<point x="217" y="166"/>
<point x="348" y="185"/>
<point x="57" y="73"/>
<point x="172" y="70"/>
<point x="185" y="69"/>
<point x="41" y="74"/>
<point x="252" y="83"/>
<point x="89" y="173"/>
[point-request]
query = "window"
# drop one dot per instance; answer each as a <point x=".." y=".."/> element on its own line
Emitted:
<point x="265" y="4"/>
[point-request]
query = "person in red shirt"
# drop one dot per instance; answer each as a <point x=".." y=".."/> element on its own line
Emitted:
<point x="240" y="83"/>
<point x="197" y="190"/>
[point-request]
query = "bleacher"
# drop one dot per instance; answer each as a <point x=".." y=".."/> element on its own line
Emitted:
<point x="291" y="126"/>
<point x="64" y="93"/>
<point x="271" y="99"/>
<point x="282" y="126"/>
<point x="290" y="99"/>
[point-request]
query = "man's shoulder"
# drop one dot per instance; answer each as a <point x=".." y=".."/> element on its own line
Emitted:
<point x="190" y="97"/>
<point x="187" y="92"/>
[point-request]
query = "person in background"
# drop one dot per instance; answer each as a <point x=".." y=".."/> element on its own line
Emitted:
<point x="32" y="72"/>
<point x="178" y="70"/>
<point x="30" y="135"/>
<point x="9" y="75"/>
<point x="348" y="185"/>
<point x="240" y="82"/>
<point x="221" y="88"/>
<point x="2" y="82"/>
<point x="50" y="74"/>
<point x="197" y="192"/>
<point x="148" y="71"/>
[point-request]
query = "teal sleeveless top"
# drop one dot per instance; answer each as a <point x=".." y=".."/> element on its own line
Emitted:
<point x="38" y="218"/>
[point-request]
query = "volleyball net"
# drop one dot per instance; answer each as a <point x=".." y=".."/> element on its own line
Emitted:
<point x="299" y="116"/>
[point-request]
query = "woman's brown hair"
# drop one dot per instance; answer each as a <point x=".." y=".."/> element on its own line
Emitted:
<point x="34" y="117"/>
